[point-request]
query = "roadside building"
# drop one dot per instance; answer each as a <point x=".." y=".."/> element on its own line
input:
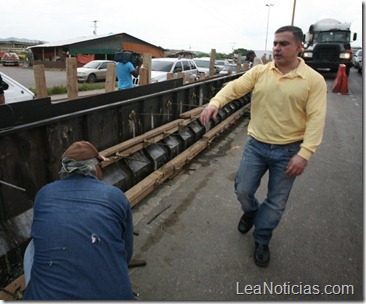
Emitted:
<point x="85" y="49"/>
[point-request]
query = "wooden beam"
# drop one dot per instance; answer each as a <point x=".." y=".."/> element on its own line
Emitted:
<point x="14" y="290"/>
<point x="135" y="144"/>
<point x="72" y="78"/>
<point x="147" y="60"/>
<point x="212" y="63"/>
<point x="110" y="80"/>
<point x="40" y="79"/>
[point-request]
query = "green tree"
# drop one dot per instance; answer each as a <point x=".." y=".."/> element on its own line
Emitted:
<point x="242" y="51"/>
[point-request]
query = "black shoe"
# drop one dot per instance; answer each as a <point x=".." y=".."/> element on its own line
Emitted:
<point x="246" y="222"/>
<point x="261" y="255"/>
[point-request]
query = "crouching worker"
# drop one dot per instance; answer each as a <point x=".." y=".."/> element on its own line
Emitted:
<point x="82" y="234"/>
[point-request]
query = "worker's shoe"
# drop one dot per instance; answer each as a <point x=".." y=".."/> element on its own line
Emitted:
<point x="261" y="255"/>
<point x="246" y="222"/>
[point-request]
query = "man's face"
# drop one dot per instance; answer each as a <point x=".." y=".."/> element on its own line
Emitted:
<point x="285" y="49"/>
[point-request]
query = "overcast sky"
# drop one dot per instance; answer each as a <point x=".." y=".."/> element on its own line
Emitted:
<point x="197" y="25"/>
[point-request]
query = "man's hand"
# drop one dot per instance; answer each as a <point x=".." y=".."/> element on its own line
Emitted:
<point x="207" y="113"/>
<point x="296" y="166"/>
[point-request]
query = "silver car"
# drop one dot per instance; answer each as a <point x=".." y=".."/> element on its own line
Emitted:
<point x="357" y="60"/>
<point x="93" y="71"/>
<point x="160" y="67"/>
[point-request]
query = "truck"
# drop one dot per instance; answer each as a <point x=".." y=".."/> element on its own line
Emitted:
<point x="10" y="59"/>
<point x="327" y="44"/>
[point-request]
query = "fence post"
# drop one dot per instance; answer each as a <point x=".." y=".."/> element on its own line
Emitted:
<point x="238" y="64"/>
<point x="110" y="79"/>
<point x="147" y="66"/>
<point x="40" y="78"/>
<point x="212" y="63"/>
<point x="71" y="78"/>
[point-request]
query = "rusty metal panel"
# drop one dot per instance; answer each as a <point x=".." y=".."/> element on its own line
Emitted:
<point x="22" y="159"/>
<point x="101" y="128"/>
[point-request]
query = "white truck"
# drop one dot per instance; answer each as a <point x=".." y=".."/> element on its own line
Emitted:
<point x="328" y="44"/>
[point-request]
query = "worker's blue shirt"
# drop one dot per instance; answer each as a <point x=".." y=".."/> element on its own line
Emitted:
<point x="83" y="239"/>
<point x="123" y="73"/>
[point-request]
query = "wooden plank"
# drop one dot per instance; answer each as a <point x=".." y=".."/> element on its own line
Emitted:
<point x="169" y="76"/>
<point x="110" y="80"/>
<point x="192" y="113"/>
<point x="212" y="63"/>
<point x="135" y="144"/>
<point x="143" y="76"/>
<point x="238" y="64"/>
<point x="182" y="75"/>
<point x="141" y="138"/>
<point x="40" y="79"/>
<point x="147" y="59"/>
<point x="14" y="290"/>
<point x="71" y="77"/>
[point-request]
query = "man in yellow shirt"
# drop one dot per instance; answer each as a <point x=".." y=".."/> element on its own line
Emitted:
<point x="287" y="120"/>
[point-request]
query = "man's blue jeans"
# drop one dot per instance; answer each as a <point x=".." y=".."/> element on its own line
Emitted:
<point x="258" y="157"/>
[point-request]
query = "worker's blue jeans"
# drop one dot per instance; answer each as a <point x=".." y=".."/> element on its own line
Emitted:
<point x="258" y="157"/>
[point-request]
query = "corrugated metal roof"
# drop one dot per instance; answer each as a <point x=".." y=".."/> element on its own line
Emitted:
<point x="83" y="39"/>
<point x="72" y="40"/>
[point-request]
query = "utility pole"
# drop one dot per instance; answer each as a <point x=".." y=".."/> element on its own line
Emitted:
<point x="293" y="13"/>
<point x="95" y="27"/>
<point x="269" y="8"/>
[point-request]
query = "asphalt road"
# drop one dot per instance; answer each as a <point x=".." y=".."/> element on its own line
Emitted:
<point x="25" y="76"/>
<point x="187" y="229"/>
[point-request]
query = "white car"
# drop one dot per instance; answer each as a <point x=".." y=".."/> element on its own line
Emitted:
<point x="203" y="65"/>
<point x="357" y="60"/>
<point x="160" y="67"/>
<point x="229" y="68"/>
<point x="15" y="92"/>
<point x="93" y="71"/>
<point x="219" y="64"/>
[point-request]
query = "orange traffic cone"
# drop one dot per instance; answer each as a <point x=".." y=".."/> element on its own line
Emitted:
<point x="340" y="84"/>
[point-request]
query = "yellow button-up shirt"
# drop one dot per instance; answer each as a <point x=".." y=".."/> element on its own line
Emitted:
<point x="284" y="108"/>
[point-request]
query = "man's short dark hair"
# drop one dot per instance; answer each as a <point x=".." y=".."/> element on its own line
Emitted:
<point x="298" y="34"/>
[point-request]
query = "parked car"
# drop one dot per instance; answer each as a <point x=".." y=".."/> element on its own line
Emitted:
<point x="354" y="49"/>
<point x="15" y="92"/>
<point x="227" y="68"/>
<point x="360" y="67"/>
<point x="219" y="64"/>
<point x="357" y="60"/>
<point x="93" y="71"/>
<point x="203" y="65"/>
<point x="10" y="59"/>
<point x="160" y="67"/>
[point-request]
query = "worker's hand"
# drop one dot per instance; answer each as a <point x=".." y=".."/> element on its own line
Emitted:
<point x="296" y="166"/>
<point x="2" y="99"/>
<point x="207" y="112"/>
